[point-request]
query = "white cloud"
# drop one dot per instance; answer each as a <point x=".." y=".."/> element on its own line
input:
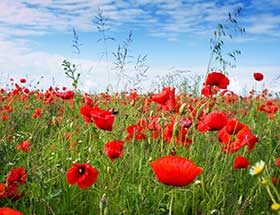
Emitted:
<point x="269" y="25"/>
<point x="23" y="62"/>
<point x="38" y="17"/>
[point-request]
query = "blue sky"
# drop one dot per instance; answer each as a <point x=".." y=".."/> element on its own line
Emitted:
<point x="36" y="35"/>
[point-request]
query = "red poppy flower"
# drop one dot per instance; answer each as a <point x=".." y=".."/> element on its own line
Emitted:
<point x="258" y="76"/>
<point x="65" y="95"/>
<point x="102" y="119"/>
<point x="114" y="149"/>
<point x="240" y="162"/>
<point x="12" y="192"/>
<point x="217" y="79"/>
<point x="274" y="181"/>
<point x="2" y="191"/>
<point x="24" y="146"/>
<point x="181" y="135"/>
<point x="37" y="113"/>
<point x="162" y="97"/>
<point x="269" y="107"/>
<point x="9" y="211"/>
<point x="16" y="175"/>
<point x="175" y="170"/>
<point x="22" y="80"/>
<point x="135" y="131"/>
<point x="236" y="135"/>
<point x="26" y="90"/>
<point x="5" y="118"/>
<point x="233" y="126"/>
<point x="166" y="99"/>
<point x="84" y="175"/>
<point x="206" y="91"/>
<point x="214" y="121"/>
<point x="278" y="162"/>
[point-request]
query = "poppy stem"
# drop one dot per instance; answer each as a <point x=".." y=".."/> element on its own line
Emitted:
<point x="174" y="133"/>
<point x="171" y="202"/>
<point x="276" y="192"/>
<point x="270" y="194"/>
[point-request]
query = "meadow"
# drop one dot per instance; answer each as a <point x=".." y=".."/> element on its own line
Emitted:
<point x="162" y="153"/>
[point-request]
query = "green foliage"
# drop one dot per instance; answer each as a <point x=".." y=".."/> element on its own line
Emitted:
<point x="219" y="60"/>
<point x="70" y="70"/>
<point x="128" y="185"/>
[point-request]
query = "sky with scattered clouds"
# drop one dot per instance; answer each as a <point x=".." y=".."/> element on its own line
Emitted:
<point x="37" y="35"/>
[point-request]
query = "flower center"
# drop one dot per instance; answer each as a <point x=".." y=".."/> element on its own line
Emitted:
<point x="81" y="170"/>
<point x="258" y="170"/>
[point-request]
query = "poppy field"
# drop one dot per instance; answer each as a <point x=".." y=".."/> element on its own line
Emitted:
<point x="167" y="152"/>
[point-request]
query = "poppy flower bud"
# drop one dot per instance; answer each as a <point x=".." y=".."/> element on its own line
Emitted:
<point x="103" y="205"/>
<point x="197" y="183"/>
<point x="132" y="103"/>
<point x="215" y="212"/>
<point x="264" y="181"/>
<point x="115" y="112"/>
<point x="173" y="151"/>
<point x="182" y="109"/>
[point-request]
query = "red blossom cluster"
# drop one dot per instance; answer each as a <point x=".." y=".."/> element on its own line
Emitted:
<point x="102" y="119"/>
<point x="236" y="135"/>
<point x="175" y="122"/>
<point x="16" y="177"/>
<point x="214" y="82"/>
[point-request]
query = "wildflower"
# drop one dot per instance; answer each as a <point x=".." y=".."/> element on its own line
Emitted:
<point x="166" y="99"/>
<point x="5" y="118"/>
<point x="65" y="95"/>
<point x="274" y="181"/>
<point x="26" y="91"/>
<point x="162" y="97"/>
<point x="9" y="211"/>
<point x="84" y="175"/>
<point x="135" y="131"/>
<point x="12" y="192"/>
<point x="257" y="168"/>
<point x="217" y="79"/>
<point x="2" y="191"/>
<point x="175" y="170"/>
<point x="278" y="162"/>
<point x="240" y="162"/>
<point x="37" y="113"/>
<point x="207" y="91"/>
<point x="22" y="80"/>
<point x="214" y="121"/>
<point x="16" y="175"/>
<point x="275" y="206"/>
<point x="258" y="76"/>
<point x="242" y="136"/>
<point x="24" y="146"/>
<point x="181" y="133"/>
<point x="102" y="119"/>
<point x="113" y="149"/>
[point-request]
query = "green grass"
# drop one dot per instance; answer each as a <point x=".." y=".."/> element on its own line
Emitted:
<point x="129" y="184"/>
